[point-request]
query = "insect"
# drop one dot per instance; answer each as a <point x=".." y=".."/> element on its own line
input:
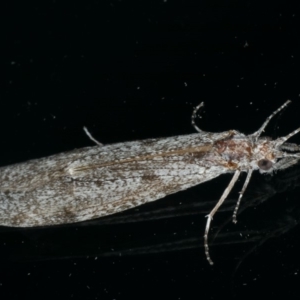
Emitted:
<point x="100" y="180"/>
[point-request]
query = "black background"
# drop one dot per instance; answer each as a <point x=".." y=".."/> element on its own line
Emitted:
<point x="131" y="70"/>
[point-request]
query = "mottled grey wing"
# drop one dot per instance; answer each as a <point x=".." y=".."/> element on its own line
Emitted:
<point x="106" y="190"/>
<point x="97" y="181"/>
<point x="126" y="175"/>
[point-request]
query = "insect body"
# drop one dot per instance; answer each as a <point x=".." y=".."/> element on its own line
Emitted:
<point x="97" y="181"/>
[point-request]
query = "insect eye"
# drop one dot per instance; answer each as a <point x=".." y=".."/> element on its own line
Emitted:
<point x="265" y="164"/>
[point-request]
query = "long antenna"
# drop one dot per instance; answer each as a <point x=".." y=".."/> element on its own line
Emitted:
<point x="257" y="134"/>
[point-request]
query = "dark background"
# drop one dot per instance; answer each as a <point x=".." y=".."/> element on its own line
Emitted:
<point x="131" y="70"/>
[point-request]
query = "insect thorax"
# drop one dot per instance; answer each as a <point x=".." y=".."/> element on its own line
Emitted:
<point x="241" y="152"/>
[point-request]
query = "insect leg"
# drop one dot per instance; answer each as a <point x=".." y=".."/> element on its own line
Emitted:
<point x="91" y="137"/>
<point x="194" y="115"/>
<point x="234" y="220"/>
<point x="211" y="214"/>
